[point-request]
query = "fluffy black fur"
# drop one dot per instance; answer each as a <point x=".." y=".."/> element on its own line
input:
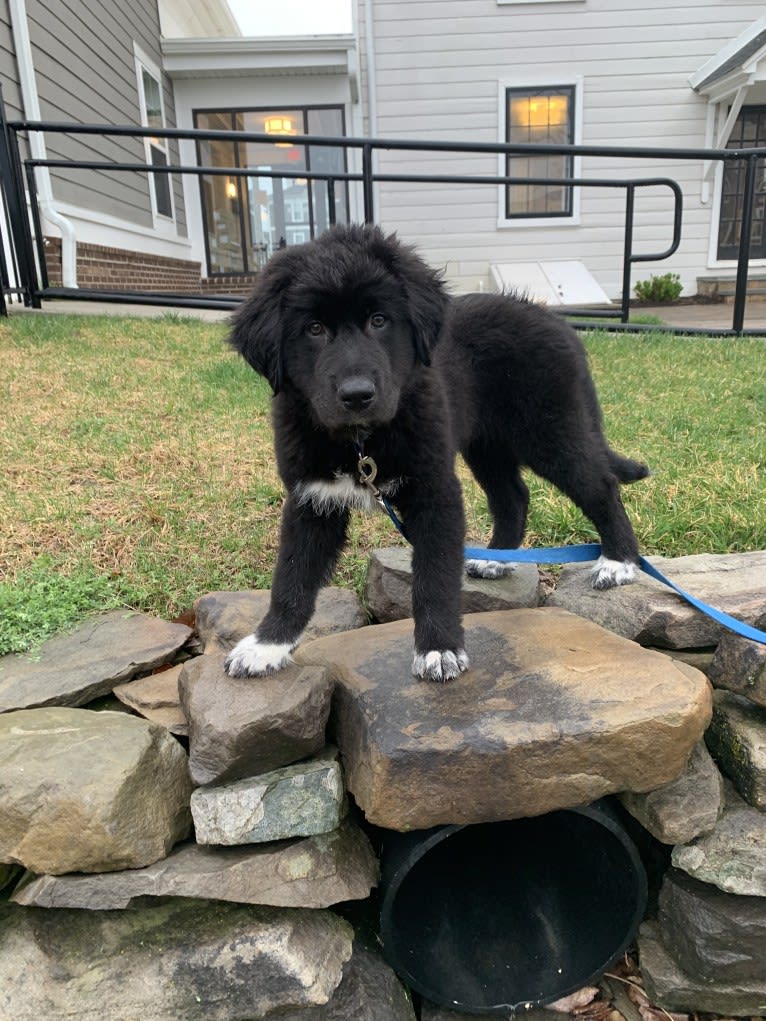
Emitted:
<point x="360" y="342"/>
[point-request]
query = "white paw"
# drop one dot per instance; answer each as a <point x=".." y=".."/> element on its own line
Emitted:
<point x="439" y="666"/>
<point x="251" y="658"/>
<point x="487" y="569"/>
<point x="607" y="573"/>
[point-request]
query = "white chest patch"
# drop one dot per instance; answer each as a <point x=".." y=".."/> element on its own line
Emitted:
<point x="341" y="493"/>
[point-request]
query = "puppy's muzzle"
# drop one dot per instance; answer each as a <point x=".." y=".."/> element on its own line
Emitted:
<point x="356" y="393"/>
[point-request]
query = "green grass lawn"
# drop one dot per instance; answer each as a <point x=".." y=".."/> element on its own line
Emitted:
<point x="137" y="470"/>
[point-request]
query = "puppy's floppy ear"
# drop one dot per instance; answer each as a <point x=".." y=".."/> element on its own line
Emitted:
<point x="427" y="302"/>
<point x="256" y="327"/>
<point x="424" y="289"/>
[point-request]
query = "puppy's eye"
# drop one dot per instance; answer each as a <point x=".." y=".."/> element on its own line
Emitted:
<point x="315" y="328"/>
<point x="377" y="320"/>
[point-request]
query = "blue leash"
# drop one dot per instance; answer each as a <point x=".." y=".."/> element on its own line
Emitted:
<point x="592" y="551"/>
<point x="367" y="471"/>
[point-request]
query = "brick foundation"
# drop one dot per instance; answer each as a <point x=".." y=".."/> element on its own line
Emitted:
<point x="118" y="269"/>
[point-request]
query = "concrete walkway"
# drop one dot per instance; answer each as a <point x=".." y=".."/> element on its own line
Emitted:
<point x="698" y="317"/>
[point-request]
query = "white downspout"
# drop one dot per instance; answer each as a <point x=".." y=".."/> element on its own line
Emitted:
<point x="369" y="46"/>
<point x="31" y="102"/>
<point x="372" y="91"/>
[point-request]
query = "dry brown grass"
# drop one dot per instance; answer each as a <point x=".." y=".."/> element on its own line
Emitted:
<point x="139" y="451"/>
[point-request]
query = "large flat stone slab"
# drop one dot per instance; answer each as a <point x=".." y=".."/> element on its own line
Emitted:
<point x="388" y="589"/>
<point x="555" y="712"/>
<point x="712" y="934"/>
<point x="84" y="791"/>
<point x="223" y="618"/>
<point x="739" y="665"/>
<point x="737" y="741"/>
<point x="74" y="669"/>
<point x="369" y="991"/>
<point x="684" y="808"/>
<point x="294" y="801"/>
<point x="242" y="726"/>
<point x="652" y="614"/>
<point x="733" y="856"/>
<point x="313" y="872"/>
<point x="156" y="698"/>
<point x="179" y="961"/>
<point x="669" y="986"/>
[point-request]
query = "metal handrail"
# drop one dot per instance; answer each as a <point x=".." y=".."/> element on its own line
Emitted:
<point x="33" y="270"/>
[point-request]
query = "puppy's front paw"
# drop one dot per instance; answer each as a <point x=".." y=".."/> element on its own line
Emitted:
<point x="490" y="569"/>
<point x="609" y="573"/>
<point x="251" y="658"/>
<point x="439" y="666"/>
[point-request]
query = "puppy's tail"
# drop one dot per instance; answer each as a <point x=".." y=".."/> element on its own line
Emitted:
<point x="625" y="469"/>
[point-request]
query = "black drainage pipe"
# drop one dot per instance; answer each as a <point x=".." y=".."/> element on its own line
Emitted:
<point x="498" y="917"/>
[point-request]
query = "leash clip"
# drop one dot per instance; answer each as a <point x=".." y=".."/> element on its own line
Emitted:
<point x="368" y="471"/>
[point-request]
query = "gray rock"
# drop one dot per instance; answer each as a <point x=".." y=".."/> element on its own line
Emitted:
<point x="684" y="808"/>
<point x="223" y="618"/>
<point x="700" y="659"/>
<point x="239" y="727"/>
<point x="733" y="856"/>
<point x="739" y="665"/>
<point x="294" y="801"/>
<point x="388" y="589"/>
<point x="84" y="791"/>
<point x="74" y="669"/>
<point x="431" y="1012"/>
<point x="179" y="961"/>
<point x="670" y="987"/>
<point x="650" y="613"/>
<point x="156" y="698"/>
<point x="711" y="934"/>
<point x="312" y="872"/>
<point x="562" y="710"/>
<point x="737" y="741"/>
<point x="369" y="991"/>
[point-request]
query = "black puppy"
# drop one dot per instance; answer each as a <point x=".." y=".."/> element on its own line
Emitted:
<point x="376" y="372"/>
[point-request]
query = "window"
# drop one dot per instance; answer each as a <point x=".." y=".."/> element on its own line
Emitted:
<point x="749" y="132"/>
<point x="156" y="148"/>
<point x="249" y="216"/>
<point x="540" y="115"/>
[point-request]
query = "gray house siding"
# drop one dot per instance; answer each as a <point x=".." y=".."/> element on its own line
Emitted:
<point x="86" y="73"/>
<point x="9" y="78"/>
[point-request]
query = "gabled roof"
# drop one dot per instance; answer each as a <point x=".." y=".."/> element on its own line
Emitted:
<point x="741" y="62"/>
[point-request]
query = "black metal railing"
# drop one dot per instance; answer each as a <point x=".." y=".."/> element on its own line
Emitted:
<point x="21" y="206"/>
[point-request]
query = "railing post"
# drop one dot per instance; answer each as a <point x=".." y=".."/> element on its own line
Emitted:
<point x="627" y="257"/>
<point x="369" y="200"/>
<point x="16" y="205"/>
<point x="743" y="260"/>
<point x="331" y="211"/>
<point x="34" y="205"/>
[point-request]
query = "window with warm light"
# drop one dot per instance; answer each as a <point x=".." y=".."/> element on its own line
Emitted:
<point x="539" y="116"/>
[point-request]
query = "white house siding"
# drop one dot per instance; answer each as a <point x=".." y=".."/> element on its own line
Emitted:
<point x="439" y="65"/>
<point x="83" y="52"/>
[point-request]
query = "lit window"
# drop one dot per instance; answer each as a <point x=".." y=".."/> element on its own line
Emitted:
<point x="539" y="116"/>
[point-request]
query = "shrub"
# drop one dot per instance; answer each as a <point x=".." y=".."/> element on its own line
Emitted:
<point x="668" y="287"/>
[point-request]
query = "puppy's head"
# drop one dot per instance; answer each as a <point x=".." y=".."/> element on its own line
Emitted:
<point x="344" y="320"/>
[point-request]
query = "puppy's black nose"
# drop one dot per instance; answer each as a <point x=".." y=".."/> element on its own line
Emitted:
<point x="356" y="393"/>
